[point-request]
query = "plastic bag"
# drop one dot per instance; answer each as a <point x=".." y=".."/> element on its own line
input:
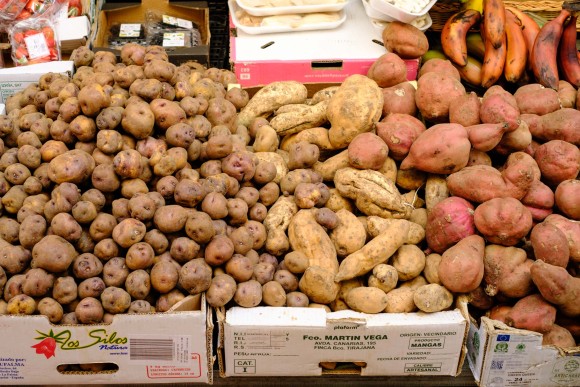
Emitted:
<point x="168" y="31"/>
<point x="44" y="8"/>
<point x="75" y="8"/>
<point x="10" y="9"/>
<point x="33" y="41"/>
<point x="121" y="34"/>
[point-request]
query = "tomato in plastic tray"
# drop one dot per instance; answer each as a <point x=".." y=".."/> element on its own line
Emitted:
<point x="33" y="41"/>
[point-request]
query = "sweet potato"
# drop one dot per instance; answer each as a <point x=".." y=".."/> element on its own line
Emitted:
<point x="504" y="221"/>
<point x="558" y="336"/>
<point x="367" y="151"/>
<point x="405" y="40"/>
<point x="364" y="99"/>
<point x="561" y="124"/>
<point x="461" y="267"/>
<point x="558" y="160"/>
<point x="399" y="99"/>
<point x="485" y="137"/>
<point x="375" y="252"/>
<point x="517" y="140"/>
<point x="499" y="107"/>
<point x="388" y="70"/>
<point x="442" y="149"/>
<point x="432" y="298"/>
<point x="480" y="183"/>
<point x="441" y="66"/>
<point x="532" y="312"/>
<point x="571" y="229"/>
<point x="550" y="244"/>
<point x="507" y="271"/>
<point x="350" y="235"/>
<point x="376" y="225"/>
<point x="566" y="94"/>
<point x="566" y="196"/>
<point x="399" y="131"/>
<point x="448" y="222"/>
<point x="434" y="94"/>
<point x="557" y="286"/>
<point x="464" y="109"/>
<point x="534" y="98"/>
<point x="539" y="200"/>
<point x="366" y="299"/>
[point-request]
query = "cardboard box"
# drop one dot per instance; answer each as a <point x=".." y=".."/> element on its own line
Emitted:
<point x="73" y="32"/>
<point x="126" y="13"/>
<point x="14" y="79"/>
<point x="310" y="56"/>
<point x="499" y="355"/>
<point x="171" y="347"/>
<point x="271" y="341"/>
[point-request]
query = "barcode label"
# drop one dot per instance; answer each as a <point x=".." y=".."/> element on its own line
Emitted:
<point x="497" y="364"/>
<point x="153" y="349"/>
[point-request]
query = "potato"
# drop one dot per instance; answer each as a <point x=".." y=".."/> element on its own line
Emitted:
<point x="140" y="306"/>
<point x="405" y="40"/>
<point x="399" y="99"/>
<point x="170" y="218"/>
<point x="534" y="98"/>
<point x="50" y="308"/>
<point x="273" y="294"/>
<point x="400" y="300"/>
<point x="53" y="253"/>
<point x="86" y="265"/>
<point x="367" y="151"/>
<point x="221" y="290"/>
<point x="240" y="268"/>
<point x="349" y="236"/>
<point x="138" y="284"/>
<point x="32" y="230"/>
<point x="432" y="298"/>
<point x="115" y="272"/>
<point x="64" y="290"/>
<point x="550" y="244"/>
<point x="166" y="301"/>
<point x="296" y="299"/>
<point x="434" y="94"/>
<point x="558" y="336"/>
<point x="89" y="311"/>
<point x="441" y="66"/>
<point x="195" y="276"/>
<point x="318" y="284"/>
<point x="37" y="283"/>
<point x="557" y="286"/>
<point x="115" y="300"/>
<point x="558" y="161"/>
<point x="409" y="261"/>
<point x="384" y="277"/>
<point x="565" y="193"/>
<point x="21" y="304"/>
<point x="248" y="294"/>
<point x="461" y="268"/>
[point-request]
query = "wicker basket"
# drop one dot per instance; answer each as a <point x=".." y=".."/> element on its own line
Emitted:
<point x="443" y="10"/>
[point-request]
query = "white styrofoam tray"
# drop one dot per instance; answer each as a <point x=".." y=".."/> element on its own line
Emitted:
<point x="269" y="11"/>
<point x="283" y="28"/>
<point x="381" y="24"/>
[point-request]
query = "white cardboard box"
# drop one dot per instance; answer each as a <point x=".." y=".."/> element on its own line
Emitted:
<point x="73" y="32"/>
<point x="499" y="356"/>
<point x="14" y="79"/>
<point x="326" y="56"/>
<point x="281" y="341"/>
<point x="172" y="347"/>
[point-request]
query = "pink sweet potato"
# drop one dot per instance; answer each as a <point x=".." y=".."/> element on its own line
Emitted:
<point x="558" y="160"/>
<point x="534" y="98"/>
<point x="571" y="229"/>
<point x="504" y="221"/>
<point x="507" y="271"/>
<point x="558" y="287"/>
<point x="434" y="94"/>
<point x="399" y="99"/>
<point x="567" y="197"/>
<point x="566" y="94"/>
<point x="561" y="124"/>
<point x="442" y="149"/>
<point x="500" y="108"/>
<point x="550" y="244"/>
<point x="480" y="183"/>
<point x="461" y="267"/>
<point x="367" y="151"/>
<point x="478" y="158"/>
<point x="558" y="336"/>
<point x="499" y="312"/>
<point x="533" y="313"/>
<point x="399" y="131"/>
<point x="485" y="137"/>
<point x="479" y="299"/>
<point x="539" y="200"/>
<point x="448" y="222"/>
<point x="441" y="66"/>
<point x="388" y="70"/>
<point x="464" y="110"/>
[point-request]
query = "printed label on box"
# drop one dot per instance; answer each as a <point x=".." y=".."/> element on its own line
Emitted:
<point x="36" y="46"/>
<point x="173" y="39"/>
<point x="175" y="21"/>
<point x="130" y="30"/>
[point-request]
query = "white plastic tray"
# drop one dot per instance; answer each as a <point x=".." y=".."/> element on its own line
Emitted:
<point x="278" y="29"/>
<point x="374" y="14"/>
<point x="270" y="11"/>
<point x="397" y="13"/>
<point x="380" y="24"/>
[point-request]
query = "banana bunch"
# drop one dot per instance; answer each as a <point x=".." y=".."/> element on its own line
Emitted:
<point x="510" y="43"/>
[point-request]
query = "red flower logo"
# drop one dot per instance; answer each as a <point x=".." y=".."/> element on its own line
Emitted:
<point x="46" y="347"/>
